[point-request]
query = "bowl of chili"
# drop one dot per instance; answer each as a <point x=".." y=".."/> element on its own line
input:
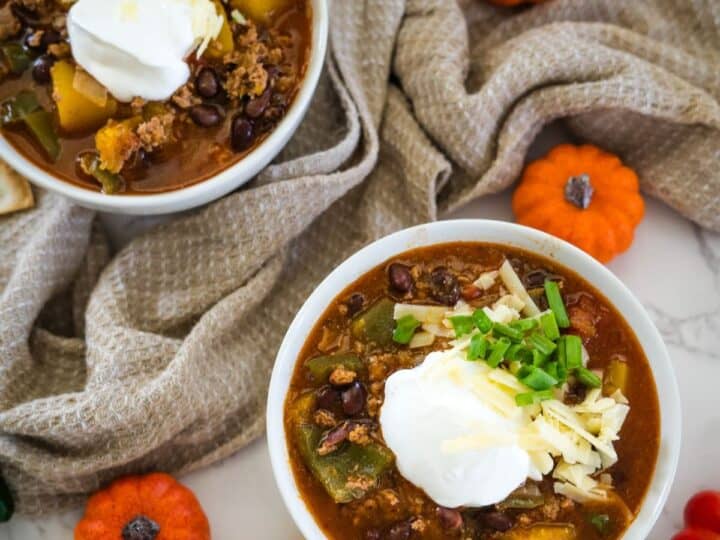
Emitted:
<point x="328" y="405"/>
<point x="68" y="133"/>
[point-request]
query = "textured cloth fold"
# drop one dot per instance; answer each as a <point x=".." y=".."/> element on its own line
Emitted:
<point x="158" y="357"/>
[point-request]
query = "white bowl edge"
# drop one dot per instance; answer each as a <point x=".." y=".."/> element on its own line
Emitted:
<point x="208" y="190"/>
<point x="471" y="230"/>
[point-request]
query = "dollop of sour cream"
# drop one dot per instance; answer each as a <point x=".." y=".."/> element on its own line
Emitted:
<point x="429" y="408"/>
<point x="138" y="48"/>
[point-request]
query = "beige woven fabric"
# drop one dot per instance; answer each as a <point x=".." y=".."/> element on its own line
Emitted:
<point x="159" y="357"/>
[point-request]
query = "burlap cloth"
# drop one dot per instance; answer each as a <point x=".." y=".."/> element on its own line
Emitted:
<point x="159" y="357"/>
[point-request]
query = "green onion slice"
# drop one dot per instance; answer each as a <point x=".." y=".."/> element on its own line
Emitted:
<point x="538" y="358"/>
<point x="482" y="321"/>
<point x="541" y="343"/>
<point x="524" y="325"/>
<point x="462" y="324"/>
<point x="503" y="330"/>
<point x="555" y="301"/>
<point x="531" y="398"/>
<point x="539" y="379"/>
<point x="573" y="352"/>
<point x="588" y="378"/>
<point x="550" y="326"/>
<point x="405" y="329"/>
<point x="478" y="347"/>
<point x="497" y="352"/>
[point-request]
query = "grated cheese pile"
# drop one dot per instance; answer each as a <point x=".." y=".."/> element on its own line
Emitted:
<point x="573" y="443"/>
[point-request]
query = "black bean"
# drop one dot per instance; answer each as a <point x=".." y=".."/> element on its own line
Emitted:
<point x="242" y="134"/>
<point x="255" y="107"/>
<point x="399" y="531"/>
<point x="205" y="115"/>
<point x="445" y="287"/>
<point x="327" y="398"/>
<point x="207" y="83"/>
<point x="355" y="303"/>
<point x="336" y="435"/>
<point x="41" y="69"/>
<point x="496" y="520"/>
<point x="50" y="37"/>
<point x="449" y="518"/>
<point x="353" y="398"/>
<point x="400" y="277"/>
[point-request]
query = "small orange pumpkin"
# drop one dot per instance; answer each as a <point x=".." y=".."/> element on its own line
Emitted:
<point x="584" y="195"/>
<point x="150" y="507"/>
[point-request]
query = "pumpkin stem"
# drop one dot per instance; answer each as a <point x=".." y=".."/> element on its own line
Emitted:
<point x="579" y="191"/>
<point x="140" y="528"/>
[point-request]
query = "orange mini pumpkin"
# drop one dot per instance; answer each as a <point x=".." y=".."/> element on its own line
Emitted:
<point x="150" y="507"/>
<point x="584" y="195"/>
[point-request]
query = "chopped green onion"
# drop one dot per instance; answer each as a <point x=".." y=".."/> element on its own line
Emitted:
<point x="478" y="347"/>
<point x="550" y="326"/>
<point x="482" y="321"/>
<point x="520" y="352"/>
<point x="561" y="353"/>
<point x="524" y="325"/>
<point x="557" y="370"/>
<point x="497" y="352"/>
<point x="462" y="324"/>
<point x="588" y="378"/>
<point x="542" y="344"/>
<point x="538" y="358"/>
<point x="524" y="371"/>
<point x="531" y="398"/>
<point x="600" y="521"/>
<point x="552" y="369"/>
<point x="524" y="355"/>
<point x="573" y="352"/>
<point x="539" y="379"/>
<point x="555" y="301"/>
<point x="404" y="329"/>
<point x="503" y="330"/>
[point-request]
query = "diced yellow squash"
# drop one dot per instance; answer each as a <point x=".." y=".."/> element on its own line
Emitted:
<point x="616" y="377"/>
<point x="259" y="10"/>
<point x="225" y="42"/>
<point x="116" y="142"/>
<point x="542" y="531"/>
<point x="77" y="112"/>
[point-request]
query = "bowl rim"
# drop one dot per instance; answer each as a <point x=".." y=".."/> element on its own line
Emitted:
<point x="212" y="188"/>
<point x="488" y="231"/>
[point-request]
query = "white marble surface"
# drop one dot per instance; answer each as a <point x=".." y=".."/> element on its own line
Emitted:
<point x="673" y="268"/>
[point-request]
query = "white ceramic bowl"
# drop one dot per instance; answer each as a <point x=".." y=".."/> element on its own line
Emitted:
<point x="477" y="231"/>
<point x="212" y="188"/>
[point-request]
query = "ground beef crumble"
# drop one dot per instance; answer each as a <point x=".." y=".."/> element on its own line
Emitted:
<point x="157" y="131"/>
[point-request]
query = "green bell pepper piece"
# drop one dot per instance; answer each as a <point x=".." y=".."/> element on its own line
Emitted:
<point x="110" y="182"/>
<point x="17" y="58"/>
<point x="40" y="124"/>
<point x="321" y="367"/>
<point x="335" y="471"/>
<point x="376" y="324"/>
<point x="25" y="109"/>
